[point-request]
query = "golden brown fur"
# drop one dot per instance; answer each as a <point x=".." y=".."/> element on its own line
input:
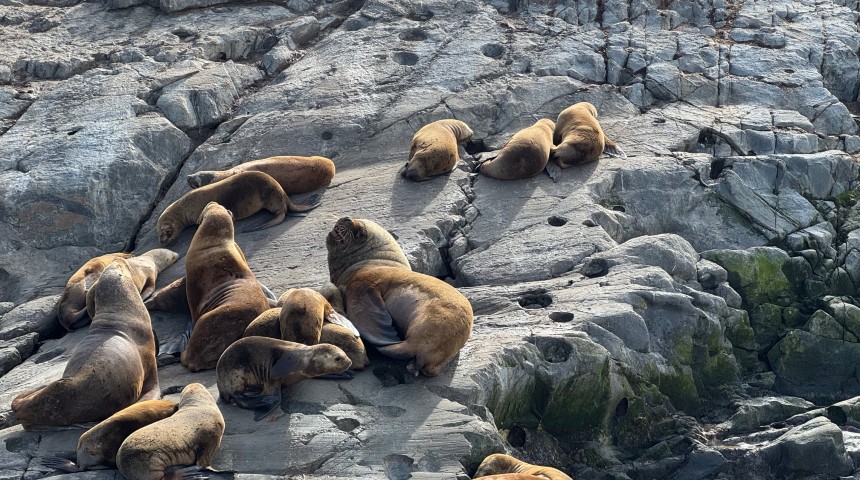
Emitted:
<point x="111" y="368"/>
<point x="499" y="464"/>
<point x="294" y="174"/>
<point x="525" y="155"/>
<point x="191" y="436"/>
<point x="578" y="139"/>
<point x="244" y="194"/>
<point x="223" y="294"/>
<point x="404" y="314"/>
<point x="434" y="149"/>
<point x="72" y="307"/>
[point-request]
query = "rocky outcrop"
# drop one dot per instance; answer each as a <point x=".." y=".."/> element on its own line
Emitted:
<point x="688" y="312"/>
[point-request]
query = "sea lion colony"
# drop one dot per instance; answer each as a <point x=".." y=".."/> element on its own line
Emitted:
<point x="403" y="314"/>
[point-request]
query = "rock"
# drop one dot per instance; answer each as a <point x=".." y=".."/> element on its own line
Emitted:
<point x="814" y="367"/>
<point x="816" y="447"/>
<point x="756" y="274"/>
<point x="10" y="358"/>
<point x="757" y="412"/>
<point x="38" y="316"/>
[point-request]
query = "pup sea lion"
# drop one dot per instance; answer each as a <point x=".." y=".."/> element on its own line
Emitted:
<point x="525" y="155"/>
<point x="498" y="464"/>
<point x="111" y="368"/>
<point x="434" y="149"/>
<point x="244" y="194"/>
<point x="303" y="312"/>
<point x="579" y="139"/>
<point x="72" y="307"/>
<point x="404" y="314"/>
<point x="97" y="447"/>
<point x="223" y="294"/>
<point x="294" y="174"/>
<point x="191" y="436"/>
<point x="252" y="370"/>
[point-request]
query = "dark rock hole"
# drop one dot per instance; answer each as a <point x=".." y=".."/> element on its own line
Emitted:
<point x="398" y="467"/>
<point x="554" y="350"/>
<point x="327" y="135"/>
<point x="597" y="267"/>
<point x="836" y="415"/>
<point x="221" y="56"/>
<point x="493" y="50"/>
<point x="474" y="147"/>
<point x="535" y="299"/>
<point x="618" y="208"/>
<point x="72" y="132"/>
<point x="788" y="70"/>
<point x="561" y="317"/>
<point x="405" y="58"/>
<point x="556" y="221"/>
<point x="707" y="138"/>
<point x="717" y="167"/>
<point x="517" y="436"/>
<point x="347" y="424"/>
<point x="421" y="16"/>
<point x="183" y="34"/>
<point x="172" y="389"/>
<point x="659" y="120"/>
<point x="389" y="376"/>
<point x="413" y="35"/>
<point x="621" y="408"/>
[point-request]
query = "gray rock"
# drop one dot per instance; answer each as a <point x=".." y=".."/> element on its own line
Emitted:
<point x="816" y="447"/>
<point x="37" y="316"/>
<point x="757" y="412"/>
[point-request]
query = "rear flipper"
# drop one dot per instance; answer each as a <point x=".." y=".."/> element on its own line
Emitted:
<point x="262" y="406"/>
<point x="58" y="463"/>
<point x="344" y="322"/>
<point x="614" y="150"/>
<point x="193" y="472"/>
<point x="553" y="170"/>
<point x="177" y="346"/>
<point x="310" y="203"/>
<point x="262" y="226"/>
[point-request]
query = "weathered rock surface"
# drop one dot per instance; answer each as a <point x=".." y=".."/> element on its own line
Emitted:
<point x="688" y="312"/>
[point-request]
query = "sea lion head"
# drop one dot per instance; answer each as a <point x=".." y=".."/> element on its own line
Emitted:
<point x="358" y="242"/>
<point x="167" y="230"/>
<point x="325" y="359"/>
<point x="577" y="149"/>
<point x="215" y="221"/>
<point x="162" y="257"/>
<point x="588" y="107"/>
<point x="416" y="170"/>
<point x="496" y="464"/>
<point x="195" y="394"/>
<point x="113" y="287"/>
<point x="199" y="179"/>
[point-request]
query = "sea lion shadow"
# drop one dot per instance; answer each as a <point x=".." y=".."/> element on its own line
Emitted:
<point x="409" y="199"/>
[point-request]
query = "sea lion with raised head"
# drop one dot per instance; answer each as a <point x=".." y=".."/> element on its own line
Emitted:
<point x="434" y="149"/>
<point x="579" y="139"/>
<point x="111" y="368"/>
<point x="223" y="293"/>
<point x="97" y="447"/>
<point x="72" y="307"/>
<point x="244" y="194"/>
<point x="497" y="465"/>
<point x="295" y="174"/>
<point x="182" y="443"/>
<point x="252" y="371"/>
<point x="404" y="314"/>
<point x="525" y="155"/>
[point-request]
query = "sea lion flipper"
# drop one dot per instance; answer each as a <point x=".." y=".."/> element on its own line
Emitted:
<point x="262" y="226"/>
<point x="285" y="366"/>
<point x="347" y="375"/>
<point x="310" y="203"/>
<point x="553" y="170"/>
<point x="193" y="472"/>
<point x="59" y="463"/>
<point x="344" y="322"/>
<point x="614" y="150"/>
<point x="378" y="326"/>
<point x="263" y="406"/>
<point x="176" y="346"/>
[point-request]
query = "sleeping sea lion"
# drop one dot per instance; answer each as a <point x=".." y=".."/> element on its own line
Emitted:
<point x="579" y="139"/>
<point x="525" y="155"/>
<point x="295" y="174"/>
<point x="434" y="149"/>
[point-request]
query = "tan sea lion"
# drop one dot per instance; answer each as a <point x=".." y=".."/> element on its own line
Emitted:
<point x="295" y="174"/>
<point x="146" y="268"/>
<point x="173" y="298"/>
<point x="525" y="155"/>
<point x="191" y="436"/>
<point x="97" y="447"/>
<point x="244" y="194"/>
<point x="498" y="464"/>
<point x="303" y="313"/>
<point x="252" y="370"/>
<point x="223" y="294"/>
<point x="579" y="139"/>
<point x="404" y="314"/>
<point x="434" y="149"/>
<point x="111" y="368"/>
<point x="72" y="307"/>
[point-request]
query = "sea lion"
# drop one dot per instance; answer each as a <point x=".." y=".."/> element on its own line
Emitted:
<point x="191" y="436"/>
<point x="579" y="139"/>
<point x="174" y="299"/>
<point x="252" y="370"/>
<point x="434" y="149"/>
<point x="223" y="294"/>
<point x="146" y="268"/>
<point x="404" y="314"/>
<point x="525" y="155"/>
<point x="72" y="307"/>
<point x="244" y="194"/>
<point x="498" y="464"/>
<point x="303" y="313"/>
<point x="111" y="368"/>
<point x="97" y="447"/>
<point x="294" y="174"/>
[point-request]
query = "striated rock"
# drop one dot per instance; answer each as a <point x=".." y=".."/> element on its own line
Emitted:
<point x="38" y="316"/>
<point x="816" y="447"/>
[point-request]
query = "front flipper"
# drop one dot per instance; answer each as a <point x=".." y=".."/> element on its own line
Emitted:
<point x="347" y="375"/>
<point x="177" y="346"/>
<point x="58" y="463"/>
<point x="553" y="170"/>
<point x="344" y="322"/>
<point x="263" y="406"/>
<point x="368" y="308"/>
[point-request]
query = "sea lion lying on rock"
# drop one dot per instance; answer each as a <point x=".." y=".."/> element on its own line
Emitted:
<point x="499" y="466"/>
<point x="294" y="174"/>
<point x="579" y="139"/>
<point x="525" y="155"/>
<point x="434" y="149"/>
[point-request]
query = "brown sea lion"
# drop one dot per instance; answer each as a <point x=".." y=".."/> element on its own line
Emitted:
<point x="244" y="194"/>
<point x="404" y="314"/>
<point x="146" y="268"/>
<point x="252" y="370"/>
<point x="434" y="149"/>
<point x="72" y="307"/>
<point x="303" y="313"/>
<point x="191" y="436"/>
<point x="111" y="368"/>
<point x="97" y="447"/>
<point x="525" y="155"/>
<point x="579" y="139"/>
<point x="294" y="174"/>
<point x="500" y="464"/>
<point x="174" y="299"/>
<point x="223" y="294"/>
